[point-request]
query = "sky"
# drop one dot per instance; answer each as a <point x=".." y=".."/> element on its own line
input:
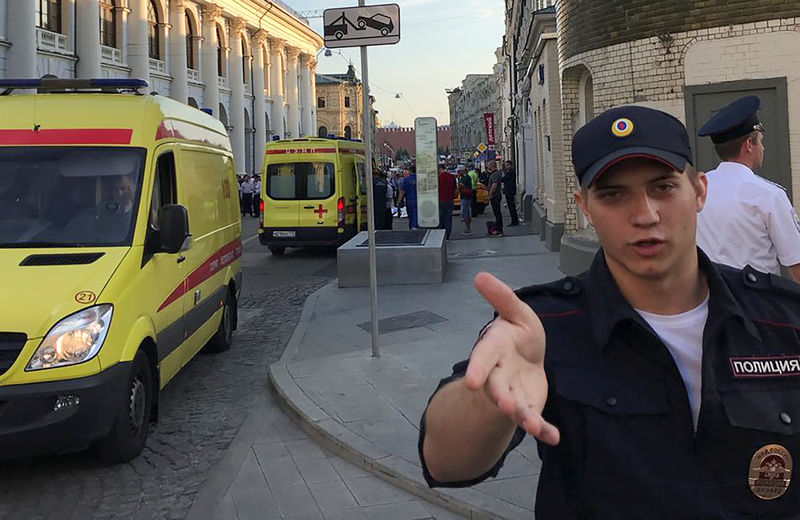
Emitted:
<point x="441" y="41"/>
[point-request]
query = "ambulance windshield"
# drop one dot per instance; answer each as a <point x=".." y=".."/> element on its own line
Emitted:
<point x="300" y="181"/>
<point x="69" y="197"/>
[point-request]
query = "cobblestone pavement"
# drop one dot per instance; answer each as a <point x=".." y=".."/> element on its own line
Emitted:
<point x="201" y="411"/>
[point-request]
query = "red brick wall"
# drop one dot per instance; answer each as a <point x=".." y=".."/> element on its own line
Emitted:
<point x="404" y="138"/>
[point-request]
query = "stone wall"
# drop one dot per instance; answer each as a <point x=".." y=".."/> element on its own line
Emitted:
<point x="590" y="24"/>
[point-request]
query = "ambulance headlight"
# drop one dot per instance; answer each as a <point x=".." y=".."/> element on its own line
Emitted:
<point x="75" y="339"/>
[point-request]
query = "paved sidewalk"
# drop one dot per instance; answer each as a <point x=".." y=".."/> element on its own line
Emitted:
<point x="366" y="409"/>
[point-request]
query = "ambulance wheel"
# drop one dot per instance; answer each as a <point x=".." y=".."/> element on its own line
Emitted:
<point x="132" y="422"/>
<point x="277" y="250"/>
<point x="222" y="340"/>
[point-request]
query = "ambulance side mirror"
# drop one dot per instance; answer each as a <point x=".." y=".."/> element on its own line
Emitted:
<point x="174" y="233"/>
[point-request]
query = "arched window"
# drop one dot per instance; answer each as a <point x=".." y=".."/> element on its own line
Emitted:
<point x="348" y="133"/>
<point x="189" y="41"/>
<point x="48" y="15"/>
<point x="108" y="24"/>
<point x="220" y="53"/>
<point x="323" y="131"/>
<point x="153" y="46"/>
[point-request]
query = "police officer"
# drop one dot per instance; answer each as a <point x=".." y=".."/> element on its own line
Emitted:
<point x="657" y="383"/>
<point x="747" y="220"/>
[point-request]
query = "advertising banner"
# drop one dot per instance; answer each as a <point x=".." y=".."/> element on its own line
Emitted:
<point x="488" y="123"/>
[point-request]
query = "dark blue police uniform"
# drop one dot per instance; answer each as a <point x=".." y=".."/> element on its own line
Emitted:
<point x="629" y="448"/>
<point x="628" y="445"/>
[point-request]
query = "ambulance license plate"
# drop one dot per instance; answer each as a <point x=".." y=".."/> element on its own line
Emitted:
<point x="284" y="234"/>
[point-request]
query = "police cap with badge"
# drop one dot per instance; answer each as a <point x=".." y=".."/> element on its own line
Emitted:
<point x="629" y="132"/>
<point x="736" y="120"/>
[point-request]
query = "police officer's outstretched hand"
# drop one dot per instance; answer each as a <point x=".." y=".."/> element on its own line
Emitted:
<point x="508" y="361"/>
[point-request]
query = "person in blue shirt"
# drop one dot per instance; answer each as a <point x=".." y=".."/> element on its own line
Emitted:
<point x="408" y="192"/>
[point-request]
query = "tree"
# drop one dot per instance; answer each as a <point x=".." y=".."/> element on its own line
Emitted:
<point x="402" y="155"/>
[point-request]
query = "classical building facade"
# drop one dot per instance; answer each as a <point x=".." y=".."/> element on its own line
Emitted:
<point x="340" y="102"/>
<point x="477" y="95"/>
<point x="686" y="58"/>
<point x="251" y="62"/>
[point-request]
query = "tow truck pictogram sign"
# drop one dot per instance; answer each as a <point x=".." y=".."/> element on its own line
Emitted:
<point x="357" y="26"/>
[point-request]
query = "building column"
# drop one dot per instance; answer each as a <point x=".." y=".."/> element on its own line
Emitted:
<point x="292" y="94"/>
<point x="121" y="13"/>
<point x="177" y="52"/>
<point x="312" y="78"/>
<point x="259" y="106"/>
<point x="236" y="84"/>
<point x="208" y="58"/>
<point x="307" y="121"/>
<point x="21" y="56"/>
<point x="138" y="54"/>
<point x="276" y="85"/>
<point x="87" y="47"/>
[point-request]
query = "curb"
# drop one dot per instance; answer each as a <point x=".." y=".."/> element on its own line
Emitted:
<point x="357" y="450"/>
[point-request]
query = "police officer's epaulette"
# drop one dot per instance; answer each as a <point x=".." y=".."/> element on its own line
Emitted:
<point x="568" y="286"/>
<point x="773" y="183"/>
<point x="770" y="282"/>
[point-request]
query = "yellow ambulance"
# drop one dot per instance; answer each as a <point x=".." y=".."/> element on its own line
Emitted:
<point x="120" y="245"/>
<point x="313" y="193"/>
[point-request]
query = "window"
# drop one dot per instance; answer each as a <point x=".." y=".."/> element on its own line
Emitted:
<point x="108" y="25"/>
<point x="69" y="196"/>
<point x="300" y="181"/>
<point x="320" y="102"/>
<point x="323" y="131"/>
<point x="220" y="54"/>
<point x="348" y="133"/>
<point x="164" y="191"/>
<point x="189" y="42"/>
<point x="48" y="15"/>
<point x="153" y="47"/>
<point x="347" y="102"/>
<point x="245" y="64"/>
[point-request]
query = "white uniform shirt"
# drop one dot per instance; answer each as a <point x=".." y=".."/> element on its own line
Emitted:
<point x="683" y="336"/>
<point x="748" y="220"/>
<point x="248" y="186"/>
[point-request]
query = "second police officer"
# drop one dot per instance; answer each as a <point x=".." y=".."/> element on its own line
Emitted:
<point x="657" y="383"/>
<point x="747" y="220"/>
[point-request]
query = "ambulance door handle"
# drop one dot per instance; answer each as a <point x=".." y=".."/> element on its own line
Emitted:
<point x="181" y="259"/>
<point x="308" y="207"/>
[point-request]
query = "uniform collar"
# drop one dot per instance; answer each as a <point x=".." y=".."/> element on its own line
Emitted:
<point x="729" y="167"/>
<point x="608" y="308"/>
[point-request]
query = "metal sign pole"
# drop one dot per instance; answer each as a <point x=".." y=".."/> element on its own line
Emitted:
<point x="367" y="130"/>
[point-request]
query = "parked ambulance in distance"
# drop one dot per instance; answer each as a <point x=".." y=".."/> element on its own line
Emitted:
<point x="313" y="193"/>
<point x="120" y="238"/>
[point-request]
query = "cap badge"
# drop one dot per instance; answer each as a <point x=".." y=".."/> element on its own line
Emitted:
<point x="770" y="472"/>
<point x="622" y="127"/>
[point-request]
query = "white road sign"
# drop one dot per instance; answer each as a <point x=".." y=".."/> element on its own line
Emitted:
<point x="427" y="172"/>
<point x="361" y="26"/>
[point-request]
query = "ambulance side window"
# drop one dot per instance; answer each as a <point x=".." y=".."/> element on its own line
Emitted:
<point x="164" y="190"/>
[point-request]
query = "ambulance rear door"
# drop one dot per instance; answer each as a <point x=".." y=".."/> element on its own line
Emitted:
<point x="281" y="197"/>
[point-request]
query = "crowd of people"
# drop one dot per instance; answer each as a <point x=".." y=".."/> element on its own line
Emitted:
<point x="250" y="195"/>
<point x="395" y="195"/>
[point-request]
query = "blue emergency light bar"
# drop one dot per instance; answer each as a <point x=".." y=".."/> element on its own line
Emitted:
<point x="61" y="84"/>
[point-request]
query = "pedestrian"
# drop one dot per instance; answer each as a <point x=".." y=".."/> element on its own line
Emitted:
<point x="248" y="187"/>
<point x="473" y="174"/>
<point x="747" y="220"/>
<point x="495" y="198"/>
<point x="658" y="384"/>
<point x="408" y="195"/>
<point x="387" y="215"/>
<point x="467" y="194"/>
<point x="447" y="192"/>
<point x="256" y="205"/>
<point x="379" y="197"/>
<point x="510" y="191"/>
